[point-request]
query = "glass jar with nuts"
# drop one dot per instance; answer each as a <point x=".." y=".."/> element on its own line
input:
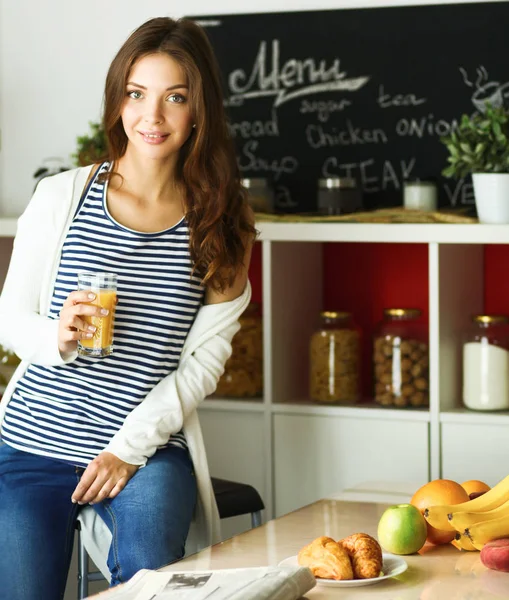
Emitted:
<point x="335" y="357"/>
<point x="243" y="371"/>
<point x="401" y="360"/>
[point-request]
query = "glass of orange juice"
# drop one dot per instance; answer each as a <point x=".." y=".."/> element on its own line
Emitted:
<point x="104" y="286"/>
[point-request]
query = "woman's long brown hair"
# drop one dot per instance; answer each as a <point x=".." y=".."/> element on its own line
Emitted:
<point x="215" y="201"/>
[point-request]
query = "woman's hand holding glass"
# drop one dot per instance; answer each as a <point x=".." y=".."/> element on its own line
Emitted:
<point x="72" y="326"/>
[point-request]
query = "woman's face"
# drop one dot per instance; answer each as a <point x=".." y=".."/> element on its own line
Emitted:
<point x="156" y="111"/>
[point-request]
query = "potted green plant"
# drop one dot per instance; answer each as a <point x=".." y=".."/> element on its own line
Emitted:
<point x="90" y="147"/>
<point x="480" y="147"/>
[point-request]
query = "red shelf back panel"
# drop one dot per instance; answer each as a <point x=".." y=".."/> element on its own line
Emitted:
<point x="365" y="278"/>
<point x="255" y="273"/>
<point x="496" y="279"/>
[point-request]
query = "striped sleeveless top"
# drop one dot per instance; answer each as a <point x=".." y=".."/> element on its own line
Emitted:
<point x="71" y="412"/>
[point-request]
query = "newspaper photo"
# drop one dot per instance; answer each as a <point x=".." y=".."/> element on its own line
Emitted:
<point x="276" y="583"/>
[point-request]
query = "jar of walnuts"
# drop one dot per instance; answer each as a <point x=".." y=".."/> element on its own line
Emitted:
<point x="243" y="371"/>
<point x="335" y="358"/>
<point x="401" y="361"/>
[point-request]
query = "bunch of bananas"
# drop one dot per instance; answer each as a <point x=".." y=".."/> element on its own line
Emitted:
<point x="477" y="521"/>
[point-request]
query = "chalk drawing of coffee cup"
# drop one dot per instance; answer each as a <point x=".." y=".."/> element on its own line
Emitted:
<point x="490" y="93"/>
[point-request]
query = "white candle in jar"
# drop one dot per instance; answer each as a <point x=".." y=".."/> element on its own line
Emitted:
<point x="420" y="195"/>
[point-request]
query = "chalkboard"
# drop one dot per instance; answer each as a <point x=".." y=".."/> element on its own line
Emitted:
<point x="358" y="92"/>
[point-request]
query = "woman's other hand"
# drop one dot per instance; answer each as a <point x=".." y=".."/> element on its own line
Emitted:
<point x="72" y="326"/>
<point x="105" y="477"/>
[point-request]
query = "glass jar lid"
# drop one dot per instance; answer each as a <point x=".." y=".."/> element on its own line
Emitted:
<point x="419" y="183"/>
<point x="407" y="313"/>
<point x="337" y="182"/>
<point x="335" y="314"/>
<point x="491" y="319"/>
<point x="254" y="182"/>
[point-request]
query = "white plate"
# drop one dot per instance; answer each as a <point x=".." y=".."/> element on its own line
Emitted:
<point x="393" y="565"/>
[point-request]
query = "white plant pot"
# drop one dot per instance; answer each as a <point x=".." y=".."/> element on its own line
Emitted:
<point x="491" y="192"/>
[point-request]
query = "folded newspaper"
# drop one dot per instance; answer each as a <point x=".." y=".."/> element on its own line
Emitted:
<point x="260" y="583"/>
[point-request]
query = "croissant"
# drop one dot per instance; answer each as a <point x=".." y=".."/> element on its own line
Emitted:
<point x="365" y="553"/>
<point x="326" y="558"/>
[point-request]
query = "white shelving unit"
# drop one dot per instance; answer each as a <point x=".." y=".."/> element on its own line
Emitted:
<point x="294" y="451"/>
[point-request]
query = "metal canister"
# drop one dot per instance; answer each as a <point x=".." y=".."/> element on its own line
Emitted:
<point x="260" y="194"/>
<point x="338" y="196"/>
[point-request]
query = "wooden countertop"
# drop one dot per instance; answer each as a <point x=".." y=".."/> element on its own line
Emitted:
<point x="435" y="573"/>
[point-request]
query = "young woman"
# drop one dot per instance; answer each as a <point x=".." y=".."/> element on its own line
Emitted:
<point x="166" y="212"/>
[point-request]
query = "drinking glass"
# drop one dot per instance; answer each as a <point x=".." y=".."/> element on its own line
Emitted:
<point x="104" y="286"/>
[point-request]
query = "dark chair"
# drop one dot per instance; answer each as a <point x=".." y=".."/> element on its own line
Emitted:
<point x="233" y="499"/>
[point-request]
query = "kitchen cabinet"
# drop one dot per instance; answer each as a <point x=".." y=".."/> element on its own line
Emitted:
<point x="483" y="443"/>
<point x="281" y="440"/>
<point x="315" y="456"/>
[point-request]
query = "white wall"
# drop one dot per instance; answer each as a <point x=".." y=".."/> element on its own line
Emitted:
<point x="53" y="60"/>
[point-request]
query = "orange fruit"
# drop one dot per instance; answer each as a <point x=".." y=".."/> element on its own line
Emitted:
<point x="474" y="486"/>
<point x="435" y="493"/>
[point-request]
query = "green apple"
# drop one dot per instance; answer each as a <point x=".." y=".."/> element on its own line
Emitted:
<point x="402" y="529"/>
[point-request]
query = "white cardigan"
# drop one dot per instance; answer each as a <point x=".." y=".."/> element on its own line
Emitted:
<point x="33" y="336"/>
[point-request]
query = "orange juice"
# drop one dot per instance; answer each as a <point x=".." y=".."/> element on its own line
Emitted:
<point x="101" y="344"/>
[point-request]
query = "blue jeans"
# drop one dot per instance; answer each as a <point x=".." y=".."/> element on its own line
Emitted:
<point x="149" y="520"/>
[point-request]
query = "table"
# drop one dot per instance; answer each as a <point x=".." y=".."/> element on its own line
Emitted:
<point x="435" y="573"/>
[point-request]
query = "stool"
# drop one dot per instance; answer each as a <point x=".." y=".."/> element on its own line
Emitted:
<point x="233" y="499"/>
